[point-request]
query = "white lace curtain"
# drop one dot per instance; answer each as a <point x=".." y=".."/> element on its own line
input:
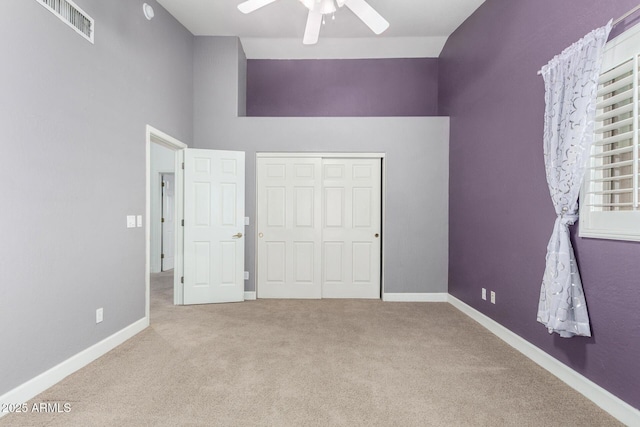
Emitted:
<point x="571" y="83"/>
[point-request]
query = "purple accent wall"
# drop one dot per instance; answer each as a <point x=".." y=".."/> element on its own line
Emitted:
<point x="501" y="214"/>
<point x="342" y="87"/>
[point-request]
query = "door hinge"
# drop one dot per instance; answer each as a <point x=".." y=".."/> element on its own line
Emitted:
<point x="161" y="256"/>
<point x="182" y="165"/>
<point x="183" y="222"/>
<point x="163" y="183"/>
<point x="182" y="279"/>
<point x="161" y="219"/>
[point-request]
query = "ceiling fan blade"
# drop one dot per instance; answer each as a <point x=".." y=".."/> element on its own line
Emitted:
<point x="368" y="15"/>
<point x="251" y="5"/>
<point x="312" y="30"/>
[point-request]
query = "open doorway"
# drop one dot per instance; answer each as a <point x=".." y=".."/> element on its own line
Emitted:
<point x="163" y="155"/>
<point x="167" y="222"/>
<point x="162" y="220"/>
<point x="209" y="188"/>
<point x="161" y="217"/>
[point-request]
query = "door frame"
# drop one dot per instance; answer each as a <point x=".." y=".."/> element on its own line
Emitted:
<point x="155" y="136"/>
<point x="329" y="155"/>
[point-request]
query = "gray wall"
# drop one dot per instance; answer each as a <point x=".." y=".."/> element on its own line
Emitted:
<point x="73" y="118"/>
<point x="219" y="82"/>
<point x="417" y="163"/>
<point x="242" y="81"/>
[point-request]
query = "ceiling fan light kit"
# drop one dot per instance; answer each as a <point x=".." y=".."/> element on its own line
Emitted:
<point x="319" y="8"/>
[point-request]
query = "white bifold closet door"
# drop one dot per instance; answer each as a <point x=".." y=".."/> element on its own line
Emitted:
<point x="319" y="225"/>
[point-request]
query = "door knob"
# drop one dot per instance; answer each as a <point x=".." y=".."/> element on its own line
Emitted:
<point x="237" y="236"/>
<point x="260" y="235"/>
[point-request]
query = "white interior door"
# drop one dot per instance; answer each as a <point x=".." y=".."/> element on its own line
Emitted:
<point x="289" y="228"/>
<point x="351" y="228"/>
<point x="213" y="226"/>
<point x="168" y="223"/>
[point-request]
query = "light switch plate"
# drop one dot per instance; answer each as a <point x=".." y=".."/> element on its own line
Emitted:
<point x="246" y="275"/>
<point x="99" y="315"/>
<point x="484" y="294"/>
<point x="131" y="221"/>
<point x="139" y="221"/>
<point x="246" y="220"/>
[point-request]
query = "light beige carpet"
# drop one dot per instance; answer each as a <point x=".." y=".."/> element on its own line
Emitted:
<point x="299" y="363"/>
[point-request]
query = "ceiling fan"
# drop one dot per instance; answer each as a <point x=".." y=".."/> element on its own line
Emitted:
<point x="319" y="8"/>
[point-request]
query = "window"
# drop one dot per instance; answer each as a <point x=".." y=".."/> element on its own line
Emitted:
<point x="610" y="196"/>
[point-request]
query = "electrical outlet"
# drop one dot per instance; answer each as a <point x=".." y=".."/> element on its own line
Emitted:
<point x="246" y="275"/>
<point x="493" y="297"/>
<point x="99" y="315"/>
<point x="131" y="221"/>
<point x="484" y="294"/>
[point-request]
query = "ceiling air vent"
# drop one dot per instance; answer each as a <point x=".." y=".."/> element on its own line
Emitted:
<point x="71" y="15"/>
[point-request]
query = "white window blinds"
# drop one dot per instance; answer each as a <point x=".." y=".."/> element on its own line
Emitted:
<point x="614" y="154"/>
<point x="610" y="201"/>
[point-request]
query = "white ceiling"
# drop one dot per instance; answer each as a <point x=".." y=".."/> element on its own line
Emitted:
<point x="418" y="28"/>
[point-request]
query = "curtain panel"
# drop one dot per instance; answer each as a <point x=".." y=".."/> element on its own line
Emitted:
<point x="571" y="83"/>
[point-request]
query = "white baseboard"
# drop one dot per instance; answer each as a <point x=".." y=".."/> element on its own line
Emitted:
<point x="421" y="297"/>
<point x="615" y="406"/>
<point x="37" y="385"/>
<point x="250" y="296"/>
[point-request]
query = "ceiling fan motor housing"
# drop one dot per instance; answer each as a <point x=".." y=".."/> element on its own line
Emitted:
<point x="324" y="7"/>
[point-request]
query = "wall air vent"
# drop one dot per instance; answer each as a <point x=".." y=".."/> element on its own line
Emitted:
<point x="72" y="15"/>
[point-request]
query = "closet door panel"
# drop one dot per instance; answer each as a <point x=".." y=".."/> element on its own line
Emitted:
<point x="289" y="229"/>
<point x="352" y="207"/>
